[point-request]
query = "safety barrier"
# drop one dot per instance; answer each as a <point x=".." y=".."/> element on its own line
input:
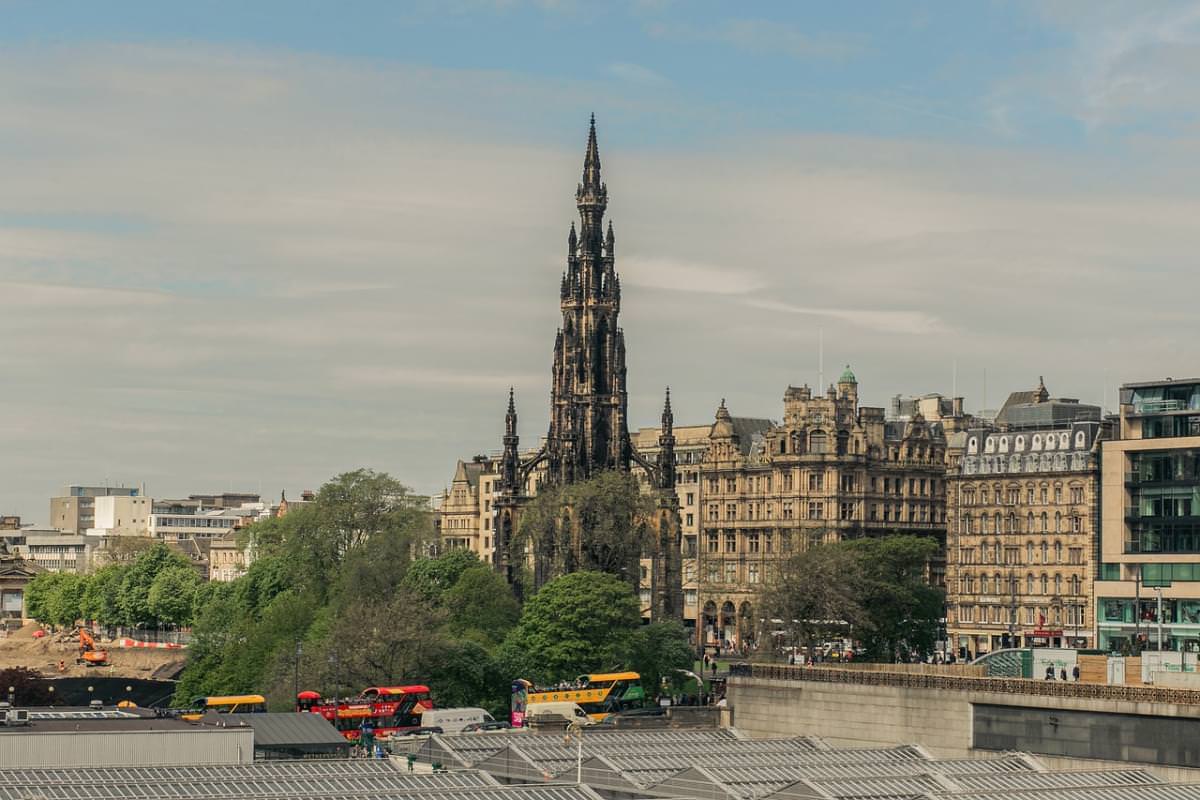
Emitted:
<point x="1040" y="688"/>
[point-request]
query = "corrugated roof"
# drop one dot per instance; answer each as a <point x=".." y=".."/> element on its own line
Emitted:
<point x="1040" y="780"/>
<point x="268" y="770"/>
<point x="1179" y="791"/>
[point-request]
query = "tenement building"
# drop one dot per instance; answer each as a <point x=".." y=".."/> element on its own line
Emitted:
<point x="1150" y="520"/>
<point x="831" y="470"/>
<point x="1021" y="507"/>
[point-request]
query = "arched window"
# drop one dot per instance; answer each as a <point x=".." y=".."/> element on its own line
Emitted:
<point x="966" y="522"/>
<point x="1029" y="552"/>
<point x="1058" y="552"/>
<point x="1012" y="523"/>
<point x="983" y="584"/>
<point x="1080" y="440"/>
<point x="1029" y="583"/>
<point x="1050" y="440"/>
<point x="972" y="446"/>
<point x="1045" y="552"/>
<point x="996" y="522"/>
<point x="1045" y="584"/>
<point x="817" y="442"/>
<point x="1020" y="443"/>
<point x="1029" y="522"/>
<point x="1075" y="584"/>
<point x="1045" y="521"/>
<point x="1037" y="441"/>
<point x="1058" y="584"/>
<point x="1003" y="444"/>
<point x="1058" y="522"/>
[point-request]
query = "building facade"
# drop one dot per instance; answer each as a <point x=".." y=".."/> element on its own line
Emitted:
<point x="1150" y="520"/>
<point x="831" y="470"/>
<point x="74" y="509"/>
<point x="1021" y="530"/>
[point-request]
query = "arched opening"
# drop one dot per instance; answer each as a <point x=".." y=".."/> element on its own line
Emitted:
<point x="728" y="630"/>
<point x="710" y="623"/>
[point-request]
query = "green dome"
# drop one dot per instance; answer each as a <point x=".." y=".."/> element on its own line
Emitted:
<point x="848" y="376"/>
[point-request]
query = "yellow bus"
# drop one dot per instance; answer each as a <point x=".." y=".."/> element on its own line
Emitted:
<point x="228" y="704"/>
<point x="598" y="694"/>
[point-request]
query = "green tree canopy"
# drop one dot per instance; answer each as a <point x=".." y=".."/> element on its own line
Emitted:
<point x="172" y="595"/>
<point x="606" y="515"/>
<point x="579" y="623"/>
<point x="480" y="605"/>
<point x="134" y="595"/>
<point x="100" y="595"/>
<point x="431" y="578"/>
<point x="875" y="588"/>
<point x="657" y="652"/>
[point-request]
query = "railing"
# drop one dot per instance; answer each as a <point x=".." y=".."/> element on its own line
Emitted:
<point x="1011" y="686"/>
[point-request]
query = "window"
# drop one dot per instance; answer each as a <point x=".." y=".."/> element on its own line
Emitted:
<point x="752" y="573"/>
<point x="730" y="542"/>
<point x="1045" y="552"/>
<point x="1076" y="524"/>
<point x="1076" y="494"/>
<point x="1058" y="552"/>
<point x="846" y="511"/>
<point x="752" y="542"/>
<point x="1076" y="555"/>
<point x="787" y="509"/>
<point x="712" y="543"/>
<point x="1029" y="585"/>
<point x="1058" y="584"/>
<point x="1057" y="495"/>
<point x="713" y="571"/>
<point x="731" y="511"/>
<point x="818" y="442"/>
<point x="691" y="498"/>
<point x="816" y="509"/>
<point x="731" y="484"/>
<point x="691" y="520"/>
<point x="816" y="481"/>
<point x="787" y="481"/>
<point x="966" y="613"/>
<point x="768" y="540"/>
<point x="1045" y="584"/>
<point x="731" y="572"/>
<point x="714" y="512"/>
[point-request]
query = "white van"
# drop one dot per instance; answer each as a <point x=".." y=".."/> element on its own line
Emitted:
<point x="453" y="720"/>
<point x="568" y="711"/>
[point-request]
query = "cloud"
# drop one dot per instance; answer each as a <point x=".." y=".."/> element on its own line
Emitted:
<point x="1122" y="64"/>
<point x="327" y="245"/>
<point x="666" y="273"/>
<point x="909" y="322"/>
<point x="761" y="36"/>
<point x="637" y="74"/>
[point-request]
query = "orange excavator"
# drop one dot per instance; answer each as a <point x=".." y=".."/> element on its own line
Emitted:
<point x="88" y="654"/>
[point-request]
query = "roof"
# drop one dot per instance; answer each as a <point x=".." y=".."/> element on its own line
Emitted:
<point x="289" y="729"/>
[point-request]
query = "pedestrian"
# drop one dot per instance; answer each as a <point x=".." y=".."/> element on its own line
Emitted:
<point x="1050" y="672"/>
<point x="1063" y="675"/>
<point x="1075" y="673"/>
<point x="714" y="667"/>
<point x="706" y="659"/>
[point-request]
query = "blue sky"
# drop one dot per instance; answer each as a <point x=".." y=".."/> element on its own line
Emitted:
<point x="250" y="245"/>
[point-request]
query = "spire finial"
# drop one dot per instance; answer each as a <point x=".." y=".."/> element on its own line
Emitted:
<point x="591" y="161"/>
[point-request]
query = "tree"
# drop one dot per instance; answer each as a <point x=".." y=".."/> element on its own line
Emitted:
<point x="62" y="604"/>
<point x="481" y="605"/>
<point x="579" y="623"/>
<point x="357" y="505"/>
<point x="816" y="593"/>
<point x="659" y="650"/>
<point x="172" y="595"/>
<point x="594" y="525"/>
<point x="903" y="610"/>
<point x="133" y="597"/>
<point x="37" y="595"/>
<point x="431" y="578"/>
<point x="100" y="595"/>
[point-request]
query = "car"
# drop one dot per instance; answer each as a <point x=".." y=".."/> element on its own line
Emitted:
<point x="422" y="731"/>
<point x="494" y="725"/>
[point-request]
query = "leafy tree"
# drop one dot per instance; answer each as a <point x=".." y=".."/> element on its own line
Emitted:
<point x="813" y="589"/>
<point x="62" y="604"/>
<point x="172" y="595"/>
<point x="878" y="586"/>
<point x="657" y="651"/>
<point x="480" y="605"/>
<point x="431" y="578"/>
<point x="38" y="592"/>
<point x="124" y="550"/>
<point x="594" y="525"/>
<point x="467" y="675"/>
<point x="357" y="505"/>
<point x="100" y="595"/>
<point x="29" y="687"/>
<point x="902" y="608"/>
<point x="133" y="598"/>
<point x="575" y="624"/>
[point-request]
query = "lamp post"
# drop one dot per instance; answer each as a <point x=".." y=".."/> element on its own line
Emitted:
<point x="1158" y="596"/>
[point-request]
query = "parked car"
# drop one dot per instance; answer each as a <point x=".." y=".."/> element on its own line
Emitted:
<point x="494" y="725"/>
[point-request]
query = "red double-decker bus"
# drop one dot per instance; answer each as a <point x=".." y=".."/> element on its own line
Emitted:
<point x="386" y="709"/>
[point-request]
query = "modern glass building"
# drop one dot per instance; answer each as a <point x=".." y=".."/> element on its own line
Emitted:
<point x="1150" y="521"/>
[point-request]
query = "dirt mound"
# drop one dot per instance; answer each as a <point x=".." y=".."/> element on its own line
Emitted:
<point x="21" y="649"/>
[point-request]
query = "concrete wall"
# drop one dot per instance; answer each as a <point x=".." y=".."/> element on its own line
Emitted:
<point x="941" y="720"/>
<point x="128" y="748"/>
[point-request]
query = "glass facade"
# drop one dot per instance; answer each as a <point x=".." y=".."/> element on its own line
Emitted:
<point x="1164" y="501"/>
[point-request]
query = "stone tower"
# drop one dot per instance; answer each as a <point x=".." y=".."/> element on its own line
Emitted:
<point x="588" y="429"/>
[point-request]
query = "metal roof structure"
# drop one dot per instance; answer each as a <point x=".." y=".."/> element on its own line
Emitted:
<point x="1046" y="780"/>
<point x="268" y="770"/>
<point x="1175" y="791"/>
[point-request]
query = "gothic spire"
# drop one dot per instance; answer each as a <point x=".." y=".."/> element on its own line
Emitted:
<point x="668" y="418"/>
<point x="510" y="462"/>
<point x="666" y="446"/>
<point x="591" y="160"/>
<point x="510" y="418"/>
<point x="572" y="241"/>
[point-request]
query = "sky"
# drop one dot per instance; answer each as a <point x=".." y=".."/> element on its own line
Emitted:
<point x="250" y="246"/>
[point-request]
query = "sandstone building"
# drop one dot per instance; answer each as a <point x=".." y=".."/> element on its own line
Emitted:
<point x="1021" y="508"/>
